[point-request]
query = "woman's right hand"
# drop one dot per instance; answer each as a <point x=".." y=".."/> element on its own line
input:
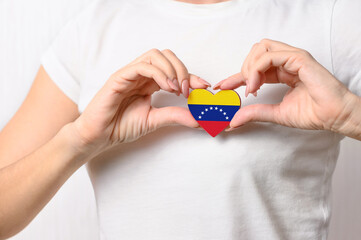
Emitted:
<point x="121" y="111"/>
<point x="56" y="141"/>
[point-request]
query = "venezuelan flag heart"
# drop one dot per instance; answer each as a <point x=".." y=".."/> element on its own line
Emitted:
<point x="213" y="112"/>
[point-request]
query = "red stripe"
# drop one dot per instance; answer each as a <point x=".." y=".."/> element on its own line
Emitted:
<point x="213" y="127"/>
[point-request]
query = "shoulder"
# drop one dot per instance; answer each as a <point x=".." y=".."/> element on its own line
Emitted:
<point x="346" y="30"/>
<point x="346" y="43"/>
<point x="98" y="10"/>
<point x="347" y="11"/>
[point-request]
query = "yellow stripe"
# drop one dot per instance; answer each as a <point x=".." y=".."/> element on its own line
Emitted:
<point x="204" y="97"/>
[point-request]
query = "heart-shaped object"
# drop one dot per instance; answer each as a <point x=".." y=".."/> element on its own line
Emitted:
<point x="213" y="112"/>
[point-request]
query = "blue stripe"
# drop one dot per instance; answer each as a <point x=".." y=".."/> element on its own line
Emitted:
<point x="213" y="112"/>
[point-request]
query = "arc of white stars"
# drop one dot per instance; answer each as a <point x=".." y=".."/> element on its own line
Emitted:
<point x="215" y="108"/>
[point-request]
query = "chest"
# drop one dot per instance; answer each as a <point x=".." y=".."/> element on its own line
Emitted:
<point x="212" y="48"/>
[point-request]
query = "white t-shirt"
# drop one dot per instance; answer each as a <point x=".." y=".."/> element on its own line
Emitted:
<point x="263" y="181"/>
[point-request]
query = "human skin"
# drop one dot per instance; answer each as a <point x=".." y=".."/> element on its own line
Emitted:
<point x="203" y="1"/>
<point x="316" y="99"/>
<point x="43" y="145"/>
<point x="32" y="168"/>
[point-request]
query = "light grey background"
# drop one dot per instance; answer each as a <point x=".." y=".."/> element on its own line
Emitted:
<point x="27" y="27"/>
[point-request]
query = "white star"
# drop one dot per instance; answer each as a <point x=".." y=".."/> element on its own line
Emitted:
<point x="224" y="113"/>
<point x="206" y="109"/>
<point x="199" y="117"/>
<point x="202" y="113"/>
<point x="221" y="110"/>
<point x="227" y="118"/>
<point x="216" y="108"/>
<point x="211" y="108"/>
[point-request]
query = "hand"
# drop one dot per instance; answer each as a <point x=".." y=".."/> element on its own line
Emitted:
<point x="121" y="111"/>
<point x="316" y="99"/>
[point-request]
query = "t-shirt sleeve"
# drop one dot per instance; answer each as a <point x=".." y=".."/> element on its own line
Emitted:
<point x="346" y="43"/>
<point x="63" y="62"/>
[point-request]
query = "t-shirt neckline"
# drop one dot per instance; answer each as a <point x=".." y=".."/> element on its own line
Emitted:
<point x="200" y="10"/>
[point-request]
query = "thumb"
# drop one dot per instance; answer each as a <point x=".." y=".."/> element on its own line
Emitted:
<point x="161" y="117"/>
<point x="255" y="113"/>
<point x="231" y="82"/>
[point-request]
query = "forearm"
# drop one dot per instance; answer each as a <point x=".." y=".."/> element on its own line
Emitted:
<point x="28" y="184"/>
<point x="352" y="124"/>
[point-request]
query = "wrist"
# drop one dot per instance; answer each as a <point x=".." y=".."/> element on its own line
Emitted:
<point x="351" y="124"/>
<point x="78" y="149"/>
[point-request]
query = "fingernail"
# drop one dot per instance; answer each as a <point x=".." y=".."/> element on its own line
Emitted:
<point x="175" y="81"/>
<point x="232" y="129"/>
<point x="172" y="85"/>
<point x="247" y="91"/>
<point x="255" y="94"/>
<point x="185" y="88"/>
<point x="204" y="82"/>
<point x="218" y="85"/>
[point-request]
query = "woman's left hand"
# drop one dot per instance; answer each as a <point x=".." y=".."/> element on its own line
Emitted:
<point x="316" y="99"/>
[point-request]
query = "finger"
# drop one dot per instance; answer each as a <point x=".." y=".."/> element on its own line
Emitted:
<point x="290" y="67"/>
<point x="180" y="70"/>
<point x="219" y="84"/>
<point x="255" y="113"/>
<point x="158" y="59"/>
<point x="272" y="45"/>
<point x="197" y="82"/>
<point x="161" y="117"/>
<point x="148" y="88"/>
<point x="289" y="61"/>
<point x="132" y="73"/>
<point x="184" y="79"/>
<point x="264" y="46"/>
<point x="194" y="82"/>
<point x="231" y="82"/>
<point x="257" y="52"/>
<point x="258" y="49"/>
<point x="244" y="68"/>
